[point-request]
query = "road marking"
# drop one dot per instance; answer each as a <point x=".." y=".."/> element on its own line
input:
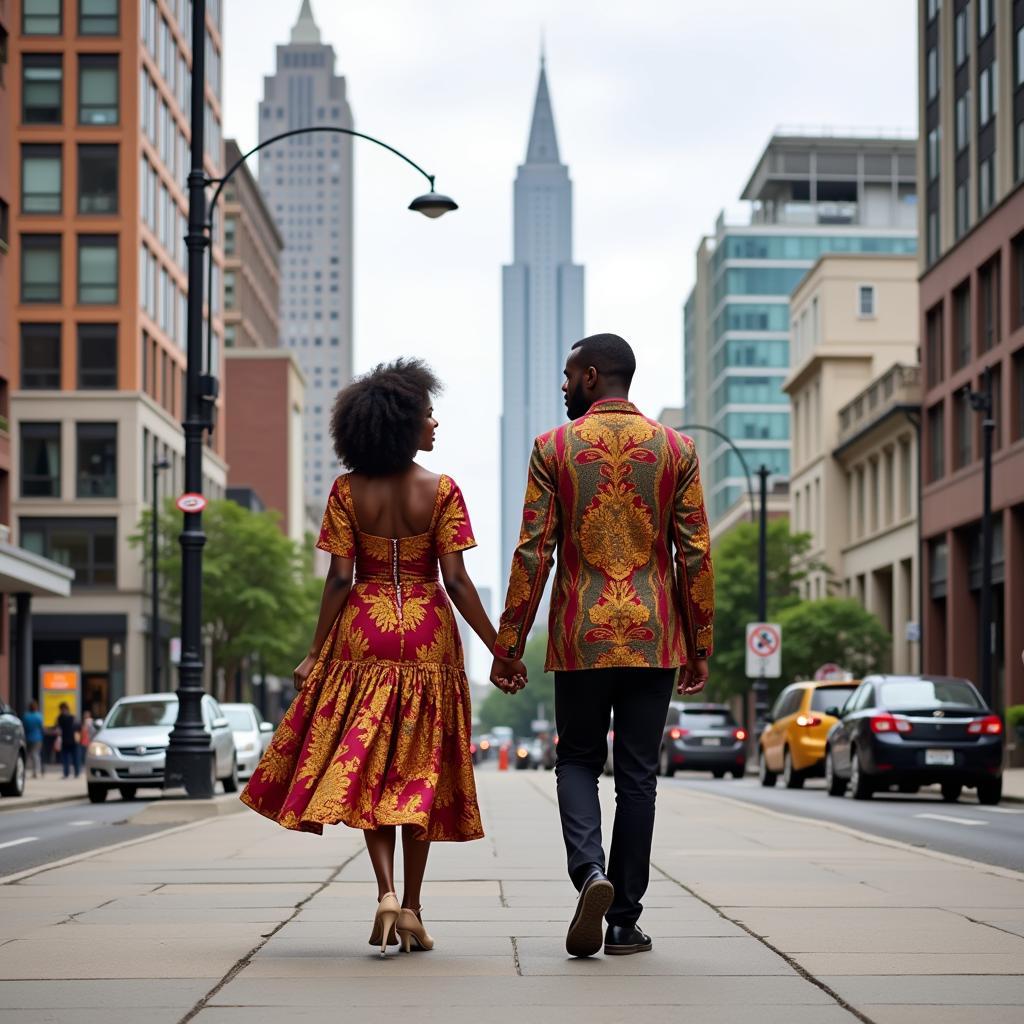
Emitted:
<point x="999" y="810"/>
<point x="949" y="817"/>
<point x="18" y="842"/>
<point x="81" y="822"/>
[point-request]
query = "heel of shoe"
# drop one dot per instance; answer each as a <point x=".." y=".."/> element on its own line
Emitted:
<point x="405" y="938"/>
<point x="388" y="919"/>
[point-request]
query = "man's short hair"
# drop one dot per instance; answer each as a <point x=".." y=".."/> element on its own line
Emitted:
<point x="609" y="354"/>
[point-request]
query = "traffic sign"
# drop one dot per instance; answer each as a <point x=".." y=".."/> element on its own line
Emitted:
<point x="191" y="503"/>
<point x="764" y="650"/>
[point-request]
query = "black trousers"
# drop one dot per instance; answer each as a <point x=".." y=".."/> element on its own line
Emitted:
<point x="584" y="704"/>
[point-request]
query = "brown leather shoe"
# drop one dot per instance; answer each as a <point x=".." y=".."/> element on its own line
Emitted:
<point x="584" y="935"/>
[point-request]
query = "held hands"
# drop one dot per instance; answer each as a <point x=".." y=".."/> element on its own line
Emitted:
<point x="692" y="677"/>
<point x="301" y="674"/>
<point x="508" y="675"/>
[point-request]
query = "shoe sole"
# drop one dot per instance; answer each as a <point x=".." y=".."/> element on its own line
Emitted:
<point x="640" y="947"/>
<point x="586" y="933"/>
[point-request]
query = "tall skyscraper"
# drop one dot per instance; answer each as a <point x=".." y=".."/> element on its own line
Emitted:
<point x="542" y="306"/>
<point x="307" y="180"/>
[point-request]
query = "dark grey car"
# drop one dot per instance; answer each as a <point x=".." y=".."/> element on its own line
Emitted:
<point x="13" y="753"/>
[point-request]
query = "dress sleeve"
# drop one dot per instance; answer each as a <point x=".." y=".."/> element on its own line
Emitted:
<point x="453" y="530"/>
<point x="337" y="533"/>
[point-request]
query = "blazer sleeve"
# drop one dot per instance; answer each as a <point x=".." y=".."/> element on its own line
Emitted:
<point x="695" y="576"/>
<point x="533" y="556"/>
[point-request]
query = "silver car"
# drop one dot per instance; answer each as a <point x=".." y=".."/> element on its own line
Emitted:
<point x="130" y="747"/>
<point x="12" y="753"/>
<point x="253" y="734"/>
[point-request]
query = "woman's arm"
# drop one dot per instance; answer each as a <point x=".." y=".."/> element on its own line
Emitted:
<point x="337" y="587"/>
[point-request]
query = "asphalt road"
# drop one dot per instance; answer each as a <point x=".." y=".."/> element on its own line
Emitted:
<point x="50" y="832"/>
<point x="992" y="835"/>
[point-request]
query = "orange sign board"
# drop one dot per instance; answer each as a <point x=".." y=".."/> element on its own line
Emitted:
<point x="59" y="684"/>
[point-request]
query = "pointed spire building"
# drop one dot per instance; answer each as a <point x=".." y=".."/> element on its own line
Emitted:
<point x="542" y="307"/>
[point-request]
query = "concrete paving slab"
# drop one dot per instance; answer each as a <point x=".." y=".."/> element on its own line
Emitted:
<point x="929" y="990"/>
<point x="852" y="964"/>
<point x="91" y="994"/>
<point x="931" y="1014"/>
<point x="80" y="1015"/>
<point x="405" y="965"/>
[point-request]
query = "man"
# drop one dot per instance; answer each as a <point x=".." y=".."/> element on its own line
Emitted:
<point x="33" y="722"/>
<point x="69" y="734"/>
<point x="619" y="497"/>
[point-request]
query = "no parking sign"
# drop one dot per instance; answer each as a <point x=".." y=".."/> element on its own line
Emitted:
<point x="764" y="650"/>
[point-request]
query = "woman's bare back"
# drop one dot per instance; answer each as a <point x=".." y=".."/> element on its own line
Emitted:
<point x="401" y="505"/>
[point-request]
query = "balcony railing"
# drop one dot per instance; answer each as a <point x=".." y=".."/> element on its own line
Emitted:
<point x="899" y="385"/>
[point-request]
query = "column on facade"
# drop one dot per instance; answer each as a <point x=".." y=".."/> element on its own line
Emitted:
<point x="961" y="623"/>
<point x="1013" y="615"/>
<point x="900" y="618"/>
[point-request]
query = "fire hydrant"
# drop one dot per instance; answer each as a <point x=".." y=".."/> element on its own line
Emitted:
<point x="503" y="758"/>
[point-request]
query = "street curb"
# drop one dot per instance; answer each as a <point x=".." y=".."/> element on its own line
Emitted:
<point x="867" y="837"/>
<point x="14" y="803"/>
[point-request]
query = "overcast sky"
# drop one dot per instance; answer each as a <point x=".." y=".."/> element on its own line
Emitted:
<point x="662" y="108"/>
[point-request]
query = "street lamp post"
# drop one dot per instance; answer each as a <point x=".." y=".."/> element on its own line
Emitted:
<point x="189" y="753"/>
<point x="739" y="454"/>
<point x="154" y="615"/>
<point x="760" y="686"/>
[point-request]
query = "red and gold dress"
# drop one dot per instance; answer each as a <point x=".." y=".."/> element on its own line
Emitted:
<point x="380" y="733"/>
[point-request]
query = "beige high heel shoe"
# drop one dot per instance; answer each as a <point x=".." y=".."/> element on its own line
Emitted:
<point x="384" y="921"/>
<point x="410" y="930"/>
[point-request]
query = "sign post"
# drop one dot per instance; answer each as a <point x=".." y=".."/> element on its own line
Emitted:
<point x="764" y="661"/>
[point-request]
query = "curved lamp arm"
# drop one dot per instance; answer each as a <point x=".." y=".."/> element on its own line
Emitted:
<point x="739" y="454"/>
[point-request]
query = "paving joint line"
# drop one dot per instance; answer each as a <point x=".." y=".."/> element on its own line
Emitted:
<point x="515" y="956"/>
<point x="987" y="924"/>
<point x="501" y="895"/>
<point x="246" y="959"/>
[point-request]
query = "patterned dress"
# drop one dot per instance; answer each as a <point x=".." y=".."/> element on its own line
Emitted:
<point x="380" y="733"/>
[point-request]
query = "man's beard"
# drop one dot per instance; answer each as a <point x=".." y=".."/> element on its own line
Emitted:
<point x="577" y="405"/>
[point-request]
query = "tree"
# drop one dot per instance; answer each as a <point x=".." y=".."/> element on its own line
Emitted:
<point x="735" y="562"/>
<point x="520" y="710"/>
<point x="831" y="630"/>
<point x="258" y="586"/>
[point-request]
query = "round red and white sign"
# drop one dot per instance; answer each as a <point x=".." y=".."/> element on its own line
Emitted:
<point x="764" y="640"/>
<point x="191" y="503"/>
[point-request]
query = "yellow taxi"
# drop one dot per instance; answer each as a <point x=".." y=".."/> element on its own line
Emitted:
<point x="792" y="743"/>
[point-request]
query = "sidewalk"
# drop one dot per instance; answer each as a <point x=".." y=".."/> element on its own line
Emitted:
<point x="50" y="788"/>
<point x="755" y="916"/>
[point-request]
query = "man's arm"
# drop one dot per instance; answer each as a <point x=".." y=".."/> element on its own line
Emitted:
<point x="533" y="557"/>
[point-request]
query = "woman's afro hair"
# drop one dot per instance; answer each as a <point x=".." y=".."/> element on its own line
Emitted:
<point x="377" y="420"/>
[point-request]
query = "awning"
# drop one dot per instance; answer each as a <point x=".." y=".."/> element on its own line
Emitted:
<point x="22" y="572"/>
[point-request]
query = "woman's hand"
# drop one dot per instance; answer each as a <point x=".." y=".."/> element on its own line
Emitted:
<point x="508" y="674"/>
<point x="301" y="674"/>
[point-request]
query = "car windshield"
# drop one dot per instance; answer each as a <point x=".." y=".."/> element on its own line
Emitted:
<point x="825" y="697"/>
<point x="240" y="719"/>
<point x="136" y="713"/>
<point x="929" y="693"/>
<point x="706" y="719"/>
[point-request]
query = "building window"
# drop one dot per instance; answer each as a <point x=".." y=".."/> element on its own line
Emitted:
<point x="97" y="179"/>
<point x="97" y="17"/>
<point x="986" y="185"/>
<point x="89" y="546"/>
<point x="934" y="352"/>
<point x="932" y="72"/>
<point x="988" y="305"/>
<point x="962" y="326"/>
<point x="963" y="121"/>
<point x="1018" y="395"/>
<point x="40" y="268"/>
<point x="230" y="289"/>
<point x="960" y="36"/>
<point x="1017" y="306"/>
<point x="40" y="357"/>
<point x="986" y="17"/>
<point x="988" y="101"/>
<point x="997" y="408"/>
<point x="97" y="89"/>
<point x="934" y="153"/>
<point x="97" y="460"/>
<point x="229" y="335"/>
<point x="41" y="18"/>
<point x="42" y="81"/>
<point x="40" y="460"/>
<point x="934" y="6"/>
<point x="866" y="301"/>
<point x="230" y="229"/>
<point x="1018" y="78"/>
<point x="40" y="179"/>
<point x="932" y="240"/>
<point x="1018" y="151"/>
<point x="962" y="414"/>
<point x="963" y="208"/>
<point x="97" y="356"/>
<point x="97" y="269"/>
<point x="936" y="443"/>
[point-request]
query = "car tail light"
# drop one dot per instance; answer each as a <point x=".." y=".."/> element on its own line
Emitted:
<point x="808" y="720"/>
<point x="890" y="723"/>
<point x="472" y="748"/>
<point x="739" y="734"/>
<point x="990" y="725"/>
<point x="678" y="734"/>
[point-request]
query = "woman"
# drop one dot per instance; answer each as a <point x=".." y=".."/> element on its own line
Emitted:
<point x="379" y="734"/>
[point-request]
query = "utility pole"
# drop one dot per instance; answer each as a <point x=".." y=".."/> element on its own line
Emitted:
<point x="760" y="686"/>
<point x="154" y="614"/>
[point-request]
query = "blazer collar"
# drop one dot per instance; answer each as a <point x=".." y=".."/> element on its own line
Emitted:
<point x="613" y="405"/>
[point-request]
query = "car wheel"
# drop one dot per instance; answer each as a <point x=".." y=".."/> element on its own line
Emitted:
<point x="764" y="773"/>
<point x="16" y="785"/>
<point x="791" y="778"/>
<point x="719" y="773"/>
<point x="951" y="791"/>
<point x="860" y="783"/>
<point x="97" y="794"/>
<point x="834" y="785"/>
<point x="990" y="792"/>
<point x="738" y="773"/>
<point x="666" y="766"/>
<point x="128" y="792"/>
<point x="231" y="781"/>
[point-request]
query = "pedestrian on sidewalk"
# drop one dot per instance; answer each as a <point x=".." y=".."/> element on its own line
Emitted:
<point x="379" y="734"/>
<point x="33" y="722"/>
<point x="68" y="738"/>
<point x="88" y="730"/>
<point x="618" y="497"/>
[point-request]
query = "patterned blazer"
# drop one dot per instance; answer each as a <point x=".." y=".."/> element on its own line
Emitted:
<point x="620" y="498"/>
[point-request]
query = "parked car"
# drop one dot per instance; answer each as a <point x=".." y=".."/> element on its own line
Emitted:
<point x="548" y="750"/>
<point x="528" y="754"/>
<point x="252" y="733"/>
<point x="130" y="748"/>
<point x="911" y="731"/>
<point x="702" y="737"/>
<point x="484" y="747"/>
<point x="792" y="743"/>
<point x="13" y="753"/>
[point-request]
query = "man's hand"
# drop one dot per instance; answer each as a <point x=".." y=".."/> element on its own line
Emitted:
<point x="693" y="676"/>
<point x="301" y="674"/>
<point x="508" y="674"/>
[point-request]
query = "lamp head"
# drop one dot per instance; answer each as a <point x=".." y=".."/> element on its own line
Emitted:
<point x="433" y="204"/>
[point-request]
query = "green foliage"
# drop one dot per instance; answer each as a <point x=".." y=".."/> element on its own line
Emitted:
<point x="520" y="710"/>
<point x="1014" y="717"/>
<point x="260" y="596"/>
<point x="831" y="629"/>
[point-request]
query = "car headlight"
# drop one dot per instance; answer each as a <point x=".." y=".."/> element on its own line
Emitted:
<point x="247" y="748"/>
<point x="97" y="749"/>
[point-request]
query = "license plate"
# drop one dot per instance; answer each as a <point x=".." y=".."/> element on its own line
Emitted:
<point x="712" y="741"/>
<point x="939" y="757"/>
<point x="139" y="769"/>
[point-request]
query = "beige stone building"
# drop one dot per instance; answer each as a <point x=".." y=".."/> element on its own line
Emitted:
<point x="854" y="442"/>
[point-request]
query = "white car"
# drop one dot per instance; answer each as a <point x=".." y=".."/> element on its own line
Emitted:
<point x="253" y="734"/>
<point x="129" y="750"/>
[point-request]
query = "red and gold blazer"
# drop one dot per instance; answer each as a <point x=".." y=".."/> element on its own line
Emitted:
<point x="619" y="496"/>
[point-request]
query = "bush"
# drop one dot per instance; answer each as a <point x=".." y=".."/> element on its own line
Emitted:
<point x="1014" y="717"/>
